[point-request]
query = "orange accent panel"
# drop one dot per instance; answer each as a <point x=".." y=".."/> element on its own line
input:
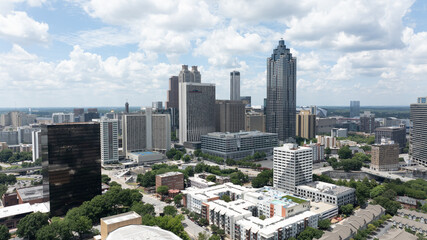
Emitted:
<point x="283" y="212"/>
<point x="271" y="210"/>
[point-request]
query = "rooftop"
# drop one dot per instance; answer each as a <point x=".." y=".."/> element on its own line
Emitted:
<point x="141" y="232"/>
<point x="241" y="134"/>
<point x="30" y="193"/>
<point x="120" y="217"/>
<point x="323" y="187"/>
<point x="25" y="208"/>
<point x="292" y="147"/>
<point x="168" y="174"/>
<point x="398" y="234"/>
<point x="144" y="153"/>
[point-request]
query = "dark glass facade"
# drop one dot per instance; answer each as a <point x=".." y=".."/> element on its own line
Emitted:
<point x="71" y="164"/>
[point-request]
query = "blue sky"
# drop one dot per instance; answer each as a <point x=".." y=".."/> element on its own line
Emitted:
<point x="100" y="53"/>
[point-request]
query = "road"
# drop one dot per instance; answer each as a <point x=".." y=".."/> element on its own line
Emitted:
<point x="387" y="175"/>
<point x="193" y="229"/>
<point x="20" y="170"/>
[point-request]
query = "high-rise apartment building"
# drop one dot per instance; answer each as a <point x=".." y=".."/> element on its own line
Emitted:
<point x="385" y="156"/>
<point x="367" y="122"/>
<point x="196" y="110"/>
<point x="192" y="76"/>
<point x="306" y="124"/>
<point x="339" y="132"/>
<point x="255" y="121"/>
<point x="292" y="166"/>
<point x="235" y="86"/>
<point x="172" y="97"/>
<point x="36" y="144"/>
<point x="126" y="107"/>
<point x="109" y="140"/>
<point x="17" y="119"/>
<point x="281" y="92"/>
<point x="354" y="109"/>
<point x="62" y="117"/>
<point x="418" y="139"/>
<point x="71" y="164"/>
<point x="146" y="132"/>
<point x="229" y="116"/>
<point x="157" y="105"/>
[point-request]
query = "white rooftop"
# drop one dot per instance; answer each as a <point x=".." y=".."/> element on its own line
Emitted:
<point x="324" y="187"/>
<point x="292" y="147"/>
<point x="141" y="232"/>
<point x="23" y="209"/>
<point x="120" y="217"/>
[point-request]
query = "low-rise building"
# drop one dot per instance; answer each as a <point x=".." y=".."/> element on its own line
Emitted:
<point x="10" y="199"/>
<point x="275" y="227"/>
<point x="325" y="210"/>
<point x="199" y="181"/>
<point x="31" y="195"/>
<point x="397" y="234"/>
<point x="413" y="215"/>
<point x="327" y="192"/>
<point x="238" y="145"/>
<point x="174" y="180"/>
<point x="402" y="222"/>
<point x="142" y="158"/>
<point x="10" y="216"/>
<point x="346" y="229"/>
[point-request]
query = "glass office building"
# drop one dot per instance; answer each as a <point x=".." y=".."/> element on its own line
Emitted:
<point x="71" y="164"/>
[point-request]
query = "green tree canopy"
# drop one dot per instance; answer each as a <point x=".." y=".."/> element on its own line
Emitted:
<point x="344" y="152"/>
<point x="170" y="210"/>
<point x="4" y="233"/>
<point x="163" y="190"/>
<point x="28" y="226"/>
<point x="347" y="209"/>
<point x="324" y="224"/>
<point x="264" y="178"/>
<point x="211" y="178"/>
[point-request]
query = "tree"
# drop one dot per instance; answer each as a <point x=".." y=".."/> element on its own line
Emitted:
<point x="202" y="236"/>
<point x="351" y="165"/>
<point x="203" y="222"/>
<point x="187" y="158"/>
<point x="170" y="210"/>
<point x="3" y="189"/>
<point x="328" y="151"/>
<point x="46" y="233"/>
<point x="215" y="237"/>
<point x="264" y="178"/>
<point x="177" y="199"/>
<point x="81" y="225"/>
<point x="143" y="209"/>
<point x="262" y="217"/>
<point x="347" y="209"/>
<point x="344" y="152"/>
<point x="28" y="226"/>
<point x="226" y="198"/>
<point x="377" y="191"/>
<point x="189" y="171"/>
<point x="324" y="224"/>
<point x="211" y="178"/>
<point x="4" y="232"/>
<point x="163" y="190"/>
<point x="309" y="233"/>
<point x="105" y="179"/>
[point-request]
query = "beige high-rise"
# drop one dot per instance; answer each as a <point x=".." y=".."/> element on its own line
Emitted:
<point x="306" y="124"/>
<point x="385" y="156"/>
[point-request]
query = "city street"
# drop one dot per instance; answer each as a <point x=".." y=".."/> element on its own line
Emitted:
<point x="192" y="228"/>
<point x="382" y="230"/>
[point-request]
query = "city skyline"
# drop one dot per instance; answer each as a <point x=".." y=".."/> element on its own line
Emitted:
<point x="89" y="53"/>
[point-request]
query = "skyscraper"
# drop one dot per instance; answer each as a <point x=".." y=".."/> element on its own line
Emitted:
<point x="306" y="124"/>
<point x="172" y="98"/>
<point x="71" y="164"/>
<point x="62" y="117"/>
<point x="196" y="110"/>
<point x="36" y="145"/>
<point x="186" y="76"/>
<point x="229" y="116"/>
<point x="292" y="166"/>
<point x="234" y="86"/>
<point x="367" y="122"/>
<point x="418" y="139"/>
<point x="126" y="107"/>
<point x="109" y="140"/>
<point x="354" y="109"/>
<point x="281" y="92"/>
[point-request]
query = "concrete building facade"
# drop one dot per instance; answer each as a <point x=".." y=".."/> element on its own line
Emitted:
<point x="367" y="122"/>
<point x="327" y="192"/>
<point x="385" y="156"/>
<point x="109" y="140"/>
<point x="174" y="180"/>
<point x="235" y="86"/>
<point x="292" y="166"/>
<point x="396" y="134"/>
<point x="306" y="124"/>
<point x="62" y="117"/>
<point x="229" y="116"/>
<point x="238" y="145"/>
<point x="281" y="93"/>
<point x="418" y="139"/>
<point x="172" y="97"/>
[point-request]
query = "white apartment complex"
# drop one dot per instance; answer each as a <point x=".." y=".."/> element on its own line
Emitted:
<point x="327" y="192"/>
<point x="109" y="140"/>
<point x="292" y="166"/>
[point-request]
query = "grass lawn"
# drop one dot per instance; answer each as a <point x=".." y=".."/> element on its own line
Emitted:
<point x="294" y="199"/>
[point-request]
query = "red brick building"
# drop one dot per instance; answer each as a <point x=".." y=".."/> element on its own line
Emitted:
<point x="174" y="180"/>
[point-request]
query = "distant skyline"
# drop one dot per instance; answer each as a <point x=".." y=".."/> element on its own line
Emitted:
<point x="75" y="53"/>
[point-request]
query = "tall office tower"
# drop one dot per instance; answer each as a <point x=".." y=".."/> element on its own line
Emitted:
<point x="186" y="76"/>
<point x="385" y="156"/>
<point x="281" y="93"/>
<point x="196" y="111"/>
<point x="71" y="164"/>
<point x="306" y="124"/>
<point x="62" y="117"/>
<point x="396" y="134"/>
<point x="172" y="98"/>
<point x="255" y="121"/>
<point x="36" y="144"/>
<point x="354" y="109"/>
<point x="367" y="122"/>
<point x="246" y="100"/>
<point x="158" y="105"/>
<point x="109" y="140"/>
<point x="146" y="131"/>
<point x="229" y="116"/>
<point x="126" y="107"/>
<point x="78" y="114"/>
<point x="292" y="166"/>
<point x="313" y="109"/>
<point x="418" y="139"/>
<point x="235" y="86"/>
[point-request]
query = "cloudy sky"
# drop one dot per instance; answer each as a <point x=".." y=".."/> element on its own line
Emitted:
<point x="100" y="53"/>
